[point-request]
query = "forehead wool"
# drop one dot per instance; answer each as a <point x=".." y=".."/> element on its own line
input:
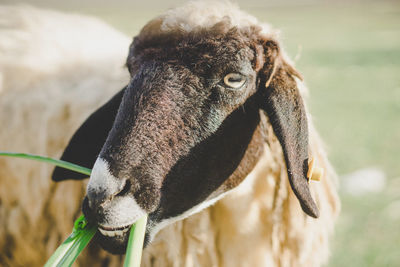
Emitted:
<point x="205" y="14"/>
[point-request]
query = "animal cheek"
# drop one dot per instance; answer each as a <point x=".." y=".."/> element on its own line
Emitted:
<point x="149" y="197"/>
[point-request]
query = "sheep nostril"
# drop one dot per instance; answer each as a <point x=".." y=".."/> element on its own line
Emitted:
<point x="125" y="190"/>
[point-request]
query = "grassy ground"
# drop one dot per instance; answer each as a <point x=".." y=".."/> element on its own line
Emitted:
<point x="350" y="57"/>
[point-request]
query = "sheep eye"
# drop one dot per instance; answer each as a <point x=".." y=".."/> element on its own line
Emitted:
<point x="234" y="80"/>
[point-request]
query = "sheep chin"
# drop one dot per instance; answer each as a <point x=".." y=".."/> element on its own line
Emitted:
<point x="112" y="242"/>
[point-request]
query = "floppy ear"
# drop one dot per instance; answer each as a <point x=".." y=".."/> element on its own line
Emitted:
<point x="284" y="106"/>
<point x="86" y="143"/>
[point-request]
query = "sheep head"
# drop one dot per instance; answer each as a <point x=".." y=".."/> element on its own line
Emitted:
<point x="186" y="129"/>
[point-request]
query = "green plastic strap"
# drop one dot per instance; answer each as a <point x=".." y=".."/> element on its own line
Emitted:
<point x="59" y="163"/>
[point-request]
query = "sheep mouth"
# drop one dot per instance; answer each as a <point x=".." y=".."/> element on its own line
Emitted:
<point x="113" y="231"/>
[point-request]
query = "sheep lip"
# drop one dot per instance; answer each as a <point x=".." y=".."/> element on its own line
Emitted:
<point x="110" y="229"/>
<point x="114" y="232"/>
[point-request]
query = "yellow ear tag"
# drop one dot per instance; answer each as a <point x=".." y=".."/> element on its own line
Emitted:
<point x="314" y="173"/>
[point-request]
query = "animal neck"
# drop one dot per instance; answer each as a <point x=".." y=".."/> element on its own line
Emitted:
<point x="210" y="237"/>
<point x="257" y="224"/>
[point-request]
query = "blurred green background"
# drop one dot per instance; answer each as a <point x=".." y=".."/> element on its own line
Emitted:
<point x="349" y="53"/>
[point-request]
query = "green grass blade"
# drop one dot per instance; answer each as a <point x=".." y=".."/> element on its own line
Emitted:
<point x="59" y="163"/>
<point x="135" y="244"/>
<point x="78" y="245"/>
<point x="69" y="250"/>
<point x="58" y="255"/>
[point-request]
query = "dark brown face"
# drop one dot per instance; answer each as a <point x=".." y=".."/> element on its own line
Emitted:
<point x="186" y="129"/>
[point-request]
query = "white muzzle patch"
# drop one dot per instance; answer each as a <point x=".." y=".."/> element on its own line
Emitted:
<point x="101" y="180"/>
<point x="116" y="211"/>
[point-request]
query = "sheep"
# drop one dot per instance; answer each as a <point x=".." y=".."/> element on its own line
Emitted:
<point x="206" y="101"/>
